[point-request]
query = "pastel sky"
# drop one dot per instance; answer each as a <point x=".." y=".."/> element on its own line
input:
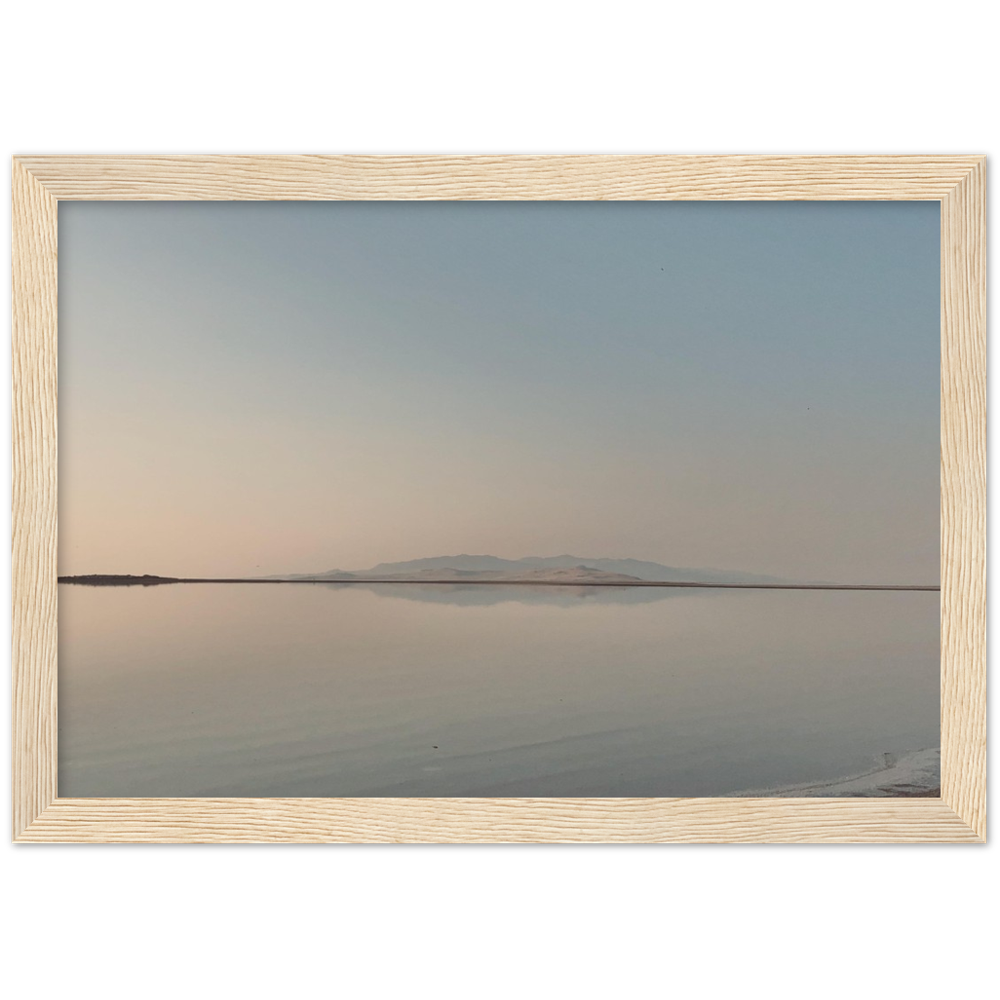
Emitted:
<point x="251" y="388"/>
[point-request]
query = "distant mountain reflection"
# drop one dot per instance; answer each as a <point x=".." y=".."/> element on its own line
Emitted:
<point x="481" y="595"/>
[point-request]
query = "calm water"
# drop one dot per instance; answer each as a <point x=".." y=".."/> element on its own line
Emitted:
<point x="319" y="690"/>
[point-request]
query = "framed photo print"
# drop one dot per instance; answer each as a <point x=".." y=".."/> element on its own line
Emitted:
<point x="514" y="498"/>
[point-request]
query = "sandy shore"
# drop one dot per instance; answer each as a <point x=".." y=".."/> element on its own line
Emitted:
<point x="911" y="775"/>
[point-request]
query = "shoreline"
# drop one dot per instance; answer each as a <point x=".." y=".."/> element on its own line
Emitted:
<point x="916" y="774"/>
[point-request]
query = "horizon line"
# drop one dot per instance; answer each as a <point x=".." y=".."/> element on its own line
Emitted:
<point x="130" y="580"/>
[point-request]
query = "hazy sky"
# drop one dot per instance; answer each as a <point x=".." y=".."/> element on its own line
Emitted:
<point x="255" y="388"/>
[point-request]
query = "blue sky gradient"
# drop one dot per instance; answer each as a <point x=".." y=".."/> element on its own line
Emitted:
<point x="269" y="387"/>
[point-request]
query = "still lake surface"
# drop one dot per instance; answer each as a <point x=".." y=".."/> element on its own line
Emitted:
<point x="326" y="690"/>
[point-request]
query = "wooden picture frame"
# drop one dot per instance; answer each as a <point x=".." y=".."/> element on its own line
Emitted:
<point x="957" y="182"/>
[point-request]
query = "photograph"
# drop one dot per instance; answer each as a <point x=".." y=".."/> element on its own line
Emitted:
<point x="587" y="499"/>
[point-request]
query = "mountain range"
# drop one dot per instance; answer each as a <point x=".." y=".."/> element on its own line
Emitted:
<point x="567" y="569"/>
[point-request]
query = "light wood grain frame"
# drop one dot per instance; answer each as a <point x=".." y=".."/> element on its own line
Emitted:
<point x="957" y="182"/>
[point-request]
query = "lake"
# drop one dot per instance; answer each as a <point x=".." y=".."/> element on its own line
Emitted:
<point x="388" y="690"/>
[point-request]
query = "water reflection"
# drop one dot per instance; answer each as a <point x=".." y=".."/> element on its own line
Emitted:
<point x="328" y="690"/>
<point x="481" y="595"/>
